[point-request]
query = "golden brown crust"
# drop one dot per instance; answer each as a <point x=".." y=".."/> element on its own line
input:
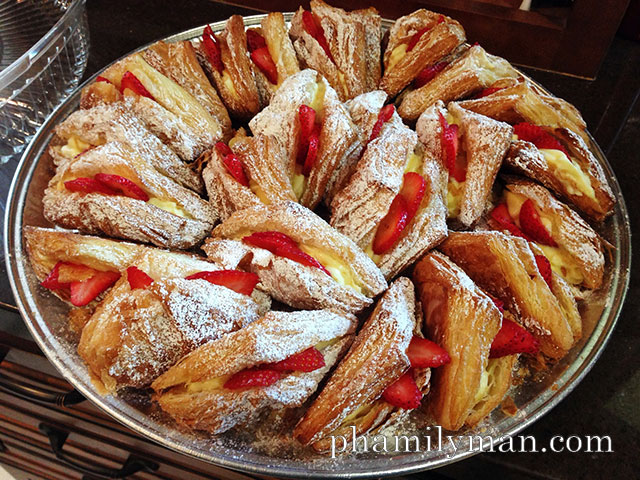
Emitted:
<point x="506" y="268"/>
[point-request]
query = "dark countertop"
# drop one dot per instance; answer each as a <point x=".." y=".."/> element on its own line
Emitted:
<point x="606" y="402"/>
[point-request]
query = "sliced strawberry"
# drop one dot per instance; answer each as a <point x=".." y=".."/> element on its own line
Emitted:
<point x="73" y="272"/>
<point x="544" y="266"/>
<point x="403" y="393"/>
<point x="538" y="136"/>
<point x="413" y="190"/>
<point x="532" y="225"/>
<point x="223" y="149"/>
<point x="497" y="302"/>
<point x="384" y="116"/>
<point x="130" y="81"/>
<point x="283" y="246"/>
<point x="428" y="74"/>
<point x="100" y="78"/>
<point x="450" y="144"/>
<point x="122" y="185"/>
<point x="306" y="361"/>
<point x="413" y="41"/>
<point x="549" y="142"/>
<point x="512" y="339"/>
<point x="137" y="278"/>
<point x="312" y="150"/>
<point x="501" y="215"/>
<point x="262" y="58"/>
<point x="241" y="282"/>
<point x="313" y="28"/>
<point x="84" y="292"/>
<point x="52" y="282"/>
<point x="236" y="169"/>
<point x="307" y="119"/>
<point x="252" y="377"/>
<point x="255" y="41"/>
<point x="391" y="226"/>
<point x="210" y="43"/>
<point x="88" y="185"/>
<point x="424" y="353"/>
<point x="487" y="91"/>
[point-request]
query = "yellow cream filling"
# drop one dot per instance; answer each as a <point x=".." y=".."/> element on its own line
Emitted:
<point x="317" y="100"/>
<point x="340" y="272"/>
<point x="168" y="206"/>
<point x="397" y="54"/>
<point x="576" y="181"/>
<point x="454" y="197"/>
<point x="228" y="83"/>
<point x="298" y="183"/>
<point x="74" y="147"/>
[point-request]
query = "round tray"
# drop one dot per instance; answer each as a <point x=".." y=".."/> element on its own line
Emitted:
<point x="45" y="317"/>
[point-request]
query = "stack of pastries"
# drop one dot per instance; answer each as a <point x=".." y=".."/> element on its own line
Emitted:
<point x="389" y="225"/>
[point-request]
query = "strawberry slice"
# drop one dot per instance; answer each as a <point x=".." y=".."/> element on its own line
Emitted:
<point x="100" y="78"/>
<point x="306" y="361"/>
<point x="391" y="226"/>
<point x="383" y="117"/>
<point x="403" y="393"/>
<point x="52" y="282"/>
<point x="428" y="74"/>
<point x="255" y="41"/>
<point x="544" y="266"/>
<point x="413" y="190"/>
<point x="130" y="81"/>
<point x="538" y="136"/>
<point x="450" y="143"/>
<point x="312" y="150"/>
<point x="313" y="28"/>
<point x="88" y="185"/>
<point x="283" y="246"/>
<point x="532" y="225"/>
<point x="252" y="377"/>
<point x="501" y="215"/>
<point x="512" y="339"/>
<point x="84" y="292"/>
<point x="307" y="119"/>
<point x="211" y="47"/>
<point x="122" y="185"/>
<point x="241" y="282"/>
<point x="487" y="91"/>
<point x="236" y="169"/>
<point x="413" y="41"/>
<point x="424" y="353"/>
<point x="223" y="149"/>
<point x="137" y="278"/>
<point x="262" y="58"/>
<point x="73" y="272"/>
<point x="497" y="302"/>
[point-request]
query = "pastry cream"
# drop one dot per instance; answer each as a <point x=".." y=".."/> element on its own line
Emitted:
<point x="169" y="206"/>
<point x="454" y="197"/>
<point x="298" y="183"/>
<point x="397" y="54"/>
<point x="340" y="272"/>
<point x="228" y="82"/>
<point x="74" y="147"/>
<point x="576" y="181"/>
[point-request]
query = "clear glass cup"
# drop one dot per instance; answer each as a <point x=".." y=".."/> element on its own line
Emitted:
<point x="44" y="46"/>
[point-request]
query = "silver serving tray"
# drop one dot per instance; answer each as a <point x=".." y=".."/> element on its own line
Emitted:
<point x="45" y="317"/>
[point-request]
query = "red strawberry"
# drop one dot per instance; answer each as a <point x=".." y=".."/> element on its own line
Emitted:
<point x="210" y="43"/>
<point x="403" y="393"/>
<point x="306" y="361"/>
<point x="501" y="215"/>
<point x="241" y="282"/>
<point x="391" y="226"/>
<point x="88" y="185"/>
<point x="52" y="281"/>
<point x="252" y="377"/>
<point x="137" y="278"/>
<point x="538" y="136"/>
<point x="100" y="78"/>
<point x="262" y="58"/>
<point x="532" y="225"/>
<point x="413" y="190"/>
<point x="497" y="302"/>
<point x="130" y="81"/>
<point x="307" y="119"/>
<point x="236" y="169"/>
<point x="384" y="116"/>
<point x="312" y="150"/>
<point x="413" y="41"/>
<point x="313" y="28"/>
<point x="426" y="75"/>
<point x="73" y="272"/>
<point x="122" y="185"/>
<point x="441" y="20"/>
<point x="223" y="149"/>
<point x="450" y="143"/>
<point x="549" y="142"/>
<point x="424" y="353"/>
<point x="299" y="256"/>
<point x="84" y="292"/>
<point x="544" y="266"/>
<point x="511" y="339"/>
<point x="487" y="91"/>
<point x="255" y="41"/>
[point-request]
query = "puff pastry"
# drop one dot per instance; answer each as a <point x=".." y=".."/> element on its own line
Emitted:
<point x="464" y="321"/>
<point x="353" y="281"/>
<point x="471" y="71"/>
<point x="193" y="391"/>
<point x="401" y="63"/>
<point x="505" y="267"/>
<point x="172" y="216"/>
<point x="483" y="145"/>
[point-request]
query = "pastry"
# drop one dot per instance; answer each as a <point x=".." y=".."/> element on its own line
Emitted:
<point x="110" y="190"/>
<point x="392" y="205"/>
<point x="108" y="122"/>
<point x="472" y="147"/>
<point x="317" y="133"/>
<point x="299" y="258"/>
<point x="343" y="46"/>
<point x="459" y="76"/>
<point x="466" y="323"/>
<point x="382" y="378"/>
<point x="573" y="248"/>
<point x="276" y="362"/>
<point x="417" y="41"/>
<point x="506" y="267"/>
